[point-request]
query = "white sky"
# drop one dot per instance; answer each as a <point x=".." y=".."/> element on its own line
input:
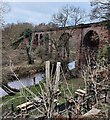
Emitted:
<point x="38" y="12"/>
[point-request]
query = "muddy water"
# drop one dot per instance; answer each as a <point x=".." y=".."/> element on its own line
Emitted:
<point x="24" y="82"/>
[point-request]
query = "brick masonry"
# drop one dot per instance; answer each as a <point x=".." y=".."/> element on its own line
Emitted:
<point x="78" y="33"/>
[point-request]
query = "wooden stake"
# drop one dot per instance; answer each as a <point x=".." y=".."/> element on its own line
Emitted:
<point x="57" y="75"/>
<point x="48" y="75"/>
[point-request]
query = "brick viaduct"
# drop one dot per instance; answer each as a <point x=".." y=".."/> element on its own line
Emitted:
<point x="81" y="35"/>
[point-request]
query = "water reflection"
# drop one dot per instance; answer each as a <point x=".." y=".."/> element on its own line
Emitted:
<point x="2" y="92"/>
<point x="24" y="82"/>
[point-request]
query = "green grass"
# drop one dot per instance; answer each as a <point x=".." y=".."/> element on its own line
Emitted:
<point x="73" y="84"/>
<point x="19" y="98"/>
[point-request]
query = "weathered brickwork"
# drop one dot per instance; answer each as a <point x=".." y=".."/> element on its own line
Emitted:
<point x="78" y="34"/>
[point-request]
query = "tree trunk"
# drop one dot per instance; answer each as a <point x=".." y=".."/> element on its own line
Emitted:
<point x="30" y="61"/>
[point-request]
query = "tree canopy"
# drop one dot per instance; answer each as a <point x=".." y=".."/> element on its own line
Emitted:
<point x="25" y="34"/>
<point x="28" y="36"/>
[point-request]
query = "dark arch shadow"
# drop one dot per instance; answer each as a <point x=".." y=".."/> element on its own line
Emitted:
<point x="41" y="39"/>
<point x="91" y="40"/>
<point x="90" y="46"/>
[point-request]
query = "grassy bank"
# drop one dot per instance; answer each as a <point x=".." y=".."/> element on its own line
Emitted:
<point x="19" y="98"/>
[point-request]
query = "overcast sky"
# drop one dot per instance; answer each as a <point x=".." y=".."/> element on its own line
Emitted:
<point x="36" y="12"/>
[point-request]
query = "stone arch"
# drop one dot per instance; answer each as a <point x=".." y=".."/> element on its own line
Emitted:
<point x="91" y="40"/>
<point x="64" y="44"/>
<point x="41" y="39"/>
<point x="90" y="45"/>
<point x="36" y="39"/>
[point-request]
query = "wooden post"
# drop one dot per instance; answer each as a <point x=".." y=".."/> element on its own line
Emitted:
<point x="48" y="84"/>
<point x="58" y="71"/>
<point x="57" y="75"/>
<point x="12" y="107"/>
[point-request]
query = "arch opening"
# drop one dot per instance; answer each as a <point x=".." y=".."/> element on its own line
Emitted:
<point x="36" y="39"/>
<point x="64" y="45"/>
<point x="91" y="41"/>
<point x="41" y="39"/>
<point x="90" y="46"/>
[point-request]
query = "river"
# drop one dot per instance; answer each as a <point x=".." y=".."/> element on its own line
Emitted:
<point x="24" y="82"/>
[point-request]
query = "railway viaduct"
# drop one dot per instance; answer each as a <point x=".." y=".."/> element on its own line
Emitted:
<point x="83" y="37"/>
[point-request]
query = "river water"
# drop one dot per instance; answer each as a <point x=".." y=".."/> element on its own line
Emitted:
<point x="24" y="82"/>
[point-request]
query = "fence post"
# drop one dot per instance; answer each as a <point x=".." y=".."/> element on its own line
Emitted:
<point x="57" y="75"/>
<point x="48" y="84"/>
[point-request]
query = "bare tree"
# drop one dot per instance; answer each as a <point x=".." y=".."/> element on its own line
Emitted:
<point x="4" y="8"/>
<point x="27" y="37"/>
<point x="96" y="77"/>
<point x="61" y="18"/>
<point x="100" y="10"/>
<point x="77" y="15"/>
<point x="60" y="45"/>
<point x="10" y="33"/>
<point x="69" y="15"/>
<point x="49" y="91"/>
<point x="45" y="27"/>
<point x="46" y="103"/>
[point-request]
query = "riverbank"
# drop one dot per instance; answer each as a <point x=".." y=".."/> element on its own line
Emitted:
<point x="24" y="70"/>
<point x="19" y="98"/>
<point x="21" y="70"/>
